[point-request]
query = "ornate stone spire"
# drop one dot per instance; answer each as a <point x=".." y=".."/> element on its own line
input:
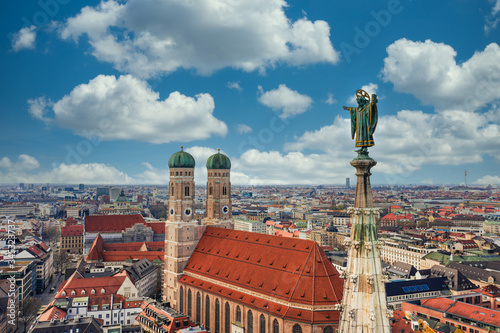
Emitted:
<point x="364" y="306"/>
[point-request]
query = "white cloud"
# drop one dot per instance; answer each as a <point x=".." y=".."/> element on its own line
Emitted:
<point x="492" y="21"/>
<point x="330" y="100"/>
<point x="488" y="179"/>
<point x="273" y="167"/>
<point x="125" y="108"/>
<point x="429" y="71"/>
<point x="147" y="37"/>
<point x="496" y="8"/>
<point x="370" y="88"/>
<point x="234" y="85"/>
<point x="38" y="107"/>
<point x="88" y="173"/>
<point x="24" y="39"/>
<point x="283" y="99"/>
<point x="411" y="139"/>
<point x="24" y="162"/>
<point x="242" y="129"/>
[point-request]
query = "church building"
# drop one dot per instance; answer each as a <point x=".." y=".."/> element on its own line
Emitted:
<point x="237" y="281"/>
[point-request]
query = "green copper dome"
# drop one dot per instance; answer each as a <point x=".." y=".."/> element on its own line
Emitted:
<point x="181" y="159"/>
<point x="122" y="197"/>
<point x="218" y="161"/>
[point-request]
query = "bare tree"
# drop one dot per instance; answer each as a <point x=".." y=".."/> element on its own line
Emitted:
<point x="52" y="234"/>
<point x="60" y="260"/>
<point x="29" y="310"/>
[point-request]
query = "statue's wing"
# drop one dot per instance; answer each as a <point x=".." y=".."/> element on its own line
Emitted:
<point x="373" y="118"/>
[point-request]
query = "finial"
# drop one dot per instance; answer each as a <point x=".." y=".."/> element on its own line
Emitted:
<point x="182" y="148"/>
<point x="218" y="150"/>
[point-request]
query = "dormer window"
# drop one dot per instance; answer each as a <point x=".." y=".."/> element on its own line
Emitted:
<point x="63" y="293"/>
<point x="83" y="292"/>
<point x="103" y="291"/>
<point x="73" y="293"/>
<point x="93" y="291"/>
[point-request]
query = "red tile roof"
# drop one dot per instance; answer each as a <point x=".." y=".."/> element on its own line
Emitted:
<point x="464" y="310"/>
<point x="490" y="290"/>
<point x="117" y="252"/>
<point x="392" y="216"/>
<point x="290" y="269"/>
<point x="96" y="250"/>
<point x="43" y="246"/>
<point x="52" y="313"/>
<point x="400" y="324"/>
<point x="36" y="251"/>
<point x="112" y="223"/>
<point x="72" y="230"/>
<point x="110" y="284"/>
<point x="158" y="227"/>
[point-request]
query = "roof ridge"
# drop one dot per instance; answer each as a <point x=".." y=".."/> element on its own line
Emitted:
<point x="300" y="275"/>
<point x="330" y="281"/>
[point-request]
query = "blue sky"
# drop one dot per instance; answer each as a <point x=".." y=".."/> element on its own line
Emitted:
<point x="104" y="92"/>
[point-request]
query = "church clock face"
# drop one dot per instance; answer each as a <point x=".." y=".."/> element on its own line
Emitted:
<point x="172" y="211"/>
<point x="225" y="209"/>
<point x="188" y="211"/>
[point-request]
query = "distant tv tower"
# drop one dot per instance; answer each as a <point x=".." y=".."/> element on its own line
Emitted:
<point x="465" y="177"/>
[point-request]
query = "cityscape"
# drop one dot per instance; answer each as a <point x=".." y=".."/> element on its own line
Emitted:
<point x="261" y="166"/>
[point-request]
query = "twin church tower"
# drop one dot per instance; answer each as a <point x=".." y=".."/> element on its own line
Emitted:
<point x="182" y="229"/>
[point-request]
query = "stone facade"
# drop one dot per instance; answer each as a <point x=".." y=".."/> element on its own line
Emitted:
<point x="364" y="304"/>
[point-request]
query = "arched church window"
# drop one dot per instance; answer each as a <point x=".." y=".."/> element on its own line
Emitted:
<point x="227" y="319"/>
<point x="296" y="329"/>
<point x="250" y="322"/>
<point x="172" y="185"/>
<point x="238" y="314"/>
<point x="207" y="313"/>
<point x="217" y="316"/>
<point x="186" y="191"/>
<point x="198" y="307"/>
<point x="262" y="324"/>
<point x="181" y="300"/>
<point x="224" y="190"/>
<point x="211" y="190"/>
<point x="276" y="326"/>
<point x="190" y="312"/>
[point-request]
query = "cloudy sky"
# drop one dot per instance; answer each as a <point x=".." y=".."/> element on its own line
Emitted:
<point x="104" y="92"/>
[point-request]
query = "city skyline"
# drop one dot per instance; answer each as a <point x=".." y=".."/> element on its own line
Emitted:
<point x="104" y="94"/>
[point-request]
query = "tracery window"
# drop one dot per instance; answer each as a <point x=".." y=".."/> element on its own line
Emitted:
<point x="238" y="314"/>
<point x="198" y="307"/>
<point x="207" y="313"/>
<point x="181" y="300"/>
<point x="296" y="329"/>
<point x="262" y="324"/>
<point x="217" y="316"/>
<point x="190" y="312"/>
<point x="227" y="318"/>
<point x="276" y="326"/>
<point x="250" y="322"/>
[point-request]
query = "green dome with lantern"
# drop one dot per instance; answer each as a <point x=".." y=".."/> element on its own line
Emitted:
<point x="181" y="159"/>
<point x="218" y="161"/>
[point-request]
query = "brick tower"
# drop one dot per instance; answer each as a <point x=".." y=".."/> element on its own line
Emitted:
<point x="181" y="229"/>
<point x="218" y="204"/>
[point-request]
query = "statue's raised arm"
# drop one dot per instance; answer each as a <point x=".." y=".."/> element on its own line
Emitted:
<point x="364" y="119"/>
